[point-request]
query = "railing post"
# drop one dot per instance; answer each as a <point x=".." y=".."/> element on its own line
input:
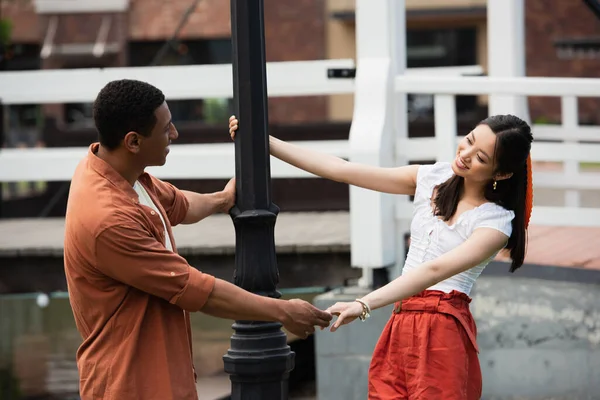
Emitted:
<point x="506" y="52"/>
<point x="570" y="121"/>
<point x="380" y="44"/>
<point x="444" y="108"/>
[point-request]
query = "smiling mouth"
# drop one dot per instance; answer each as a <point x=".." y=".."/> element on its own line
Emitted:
<point x="460" y="163"/>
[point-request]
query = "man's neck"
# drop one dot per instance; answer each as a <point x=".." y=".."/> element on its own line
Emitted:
<point x="120" y="163"/>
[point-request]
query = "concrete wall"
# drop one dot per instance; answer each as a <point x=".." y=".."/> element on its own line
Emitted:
<point x="343" y="357"/>
<point x="539" y="339"/>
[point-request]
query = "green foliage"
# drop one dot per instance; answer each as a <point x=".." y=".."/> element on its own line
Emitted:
<point x="215" y="111"/>
<point x="9" y="387"/>
<point x="543" y="120"/>
<point x="5" y="31"/>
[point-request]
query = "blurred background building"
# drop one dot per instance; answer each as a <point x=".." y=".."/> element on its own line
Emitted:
<point x="50" y="34"/>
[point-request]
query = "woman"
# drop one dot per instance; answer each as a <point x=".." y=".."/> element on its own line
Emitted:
<point x="465" y="212"/>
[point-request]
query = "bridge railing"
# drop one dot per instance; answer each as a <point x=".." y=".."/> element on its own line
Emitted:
<point x="567" y="144"/>
<point x="188" y="161"/>
<point x="193" y="161"/>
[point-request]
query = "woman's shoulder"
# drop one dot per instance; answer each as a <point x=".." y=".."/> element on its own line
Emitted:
<point x="492" y="215"/>
<point x="434" y="174"/>
<point x="494" y="210"/>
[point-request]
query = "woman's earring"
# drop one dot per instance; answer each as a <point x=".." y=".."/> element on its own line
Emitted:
<point x="495" y="184"/>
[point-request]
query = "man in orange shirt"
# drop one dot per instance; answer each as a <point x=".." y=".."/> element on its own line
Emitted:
<point x="131" y="293"/>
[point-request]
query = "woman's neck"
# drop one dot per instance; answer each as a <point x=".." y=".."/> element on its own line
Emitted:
<point x="473" y="192"/>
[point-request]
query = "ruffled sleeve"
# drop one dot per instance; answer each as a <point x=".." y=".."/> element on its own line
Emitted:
<point x="496" y="217"/>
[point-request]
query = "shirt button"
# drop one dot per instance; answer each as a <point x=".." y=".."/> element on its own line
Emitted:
<point x="152" y="212"/>
<point x="172" y="273"/>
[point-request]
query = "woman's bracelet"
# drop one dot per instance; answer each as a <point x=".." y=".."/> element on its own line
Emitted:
<point x="366" y="310"/>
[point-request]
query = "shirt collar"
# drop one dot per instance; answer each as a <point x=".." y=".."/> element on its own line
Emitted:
<point x="109" y="173"/>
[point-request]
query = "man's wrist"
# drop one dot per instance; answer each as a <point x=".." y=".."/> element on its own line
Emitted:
<point x="274" y="309"/>
<point x="220" y="201"/>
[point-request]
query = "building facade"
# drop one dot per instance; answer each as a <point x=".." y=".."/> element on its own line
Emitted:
<point x="561" y="40"/>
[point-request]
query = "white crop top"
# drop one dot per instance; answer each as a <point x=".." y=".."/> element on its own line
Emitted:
<point x="430" y="237"/>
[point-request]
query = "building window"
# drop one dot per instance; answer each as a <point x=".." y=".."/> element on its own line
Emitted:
<point x="440" y="48"/>
<point x="24" y="122"/>
<point x="188" y="52"/>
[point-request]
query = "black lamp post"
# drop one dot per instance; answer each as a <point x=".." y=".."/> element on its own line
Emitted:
<point x="259" y="360"/>
<point x="2" y="141"/>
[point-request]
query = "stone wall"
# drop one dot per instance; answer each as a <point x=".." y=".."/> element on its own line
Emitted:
<point x="539" y="338"/>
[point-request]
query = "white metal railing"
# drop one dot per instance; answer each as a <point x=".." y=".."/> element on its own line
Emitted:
<point x="207" y="160"/>
<point x="309" y="78"/>
<point x="186" y="161"/>
<point x="295" y="78"/>
<point x="79" y="6"/>
<point x="570" y="151"/>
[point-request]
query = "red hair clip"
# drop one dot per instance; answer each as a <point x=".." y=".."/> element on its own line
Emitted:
<point x="528" y="193"/>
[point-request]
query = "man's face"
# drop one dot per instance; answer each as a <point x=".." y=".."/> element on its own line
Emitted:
<point x="154" y="148"/>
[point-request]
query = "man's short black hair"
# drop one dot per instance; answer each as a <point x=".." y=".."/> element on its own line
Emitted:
<point x="123" y="106"/>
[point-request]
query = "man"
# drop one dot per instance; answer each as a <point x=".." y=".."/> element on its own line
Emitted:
<point x="130" y="292"/>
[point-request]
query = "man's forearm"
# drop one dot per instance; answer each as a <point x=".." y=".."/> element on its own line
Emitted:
<point x="231" y="302"/>
<point x="202" y="205"/>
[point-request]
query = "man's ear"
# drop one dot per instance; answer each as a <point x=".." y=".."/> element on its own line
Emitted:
<point x="501" y="177"/>
<point x="132" y="142"/>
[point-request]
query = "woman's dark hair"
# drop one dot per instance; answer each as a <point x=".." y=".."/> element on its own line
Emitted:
<point x="513" y="143"/>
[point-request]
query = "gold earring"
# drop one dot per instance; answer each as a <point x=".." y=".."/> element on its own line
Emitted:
<point x="495" y="184"/>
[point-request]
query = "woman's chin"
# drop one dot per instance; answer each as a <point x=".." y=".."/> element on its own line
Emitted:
<point x="457" y="171"/>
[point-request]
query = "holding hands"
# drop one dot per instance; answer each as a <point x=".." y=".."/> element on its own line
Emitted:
<point x="301" y="318"/>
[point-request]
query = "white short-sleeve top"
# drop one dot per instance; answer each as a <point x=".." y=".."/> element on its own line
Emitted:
<point x="431" y="237"/>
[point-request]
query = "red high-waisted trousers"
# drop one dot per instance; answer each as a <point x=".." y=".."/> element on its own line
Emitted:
<point x="427" y="351"/>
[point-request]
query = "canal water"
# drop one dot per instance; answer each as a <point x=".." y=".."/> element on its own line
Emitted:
<point x="39" y="339"/>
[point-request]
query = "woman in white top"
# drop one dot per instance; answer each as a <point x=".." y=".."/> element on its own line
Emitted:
<point x="465" y="212"/>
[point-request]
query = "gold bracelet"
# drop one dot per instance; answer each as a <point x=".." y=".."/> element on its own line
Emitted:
<point x="366" y="310"/>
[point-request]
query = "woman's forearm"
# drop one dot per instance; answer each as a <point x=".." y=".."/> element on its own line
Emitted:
<point x="403" y="287"/>
<point x="480" y="246"/>
<point x="320" y="164"/>
<point x="397" y="180"/>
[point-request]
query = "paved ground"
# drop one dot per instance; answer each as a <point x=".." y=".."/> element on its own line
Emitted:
<point x="213" y="387"/>
<point x="294" y="232"/>
<point x="298" y="232"/>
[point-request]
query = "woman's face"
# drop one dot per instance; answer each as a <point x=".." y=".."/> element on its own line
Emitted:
<point x="475" y="155"/>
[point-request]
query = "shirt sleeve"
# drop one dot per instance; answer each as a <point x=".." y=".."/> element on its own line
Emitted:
<point x="173" y="200"/>
<point x="428" y="176"/>
<point x="132" y="256"/>
<point x="497" y="218"/>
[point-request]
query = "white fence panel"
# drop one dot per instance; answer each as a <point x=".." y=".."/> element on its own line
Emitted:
<point x="185" y="161"/>
<point x="294" y="78"/>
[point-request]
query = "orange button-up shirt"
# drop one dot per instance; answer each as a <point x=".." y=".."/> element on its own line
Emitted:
<point x="130" y="296"/>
